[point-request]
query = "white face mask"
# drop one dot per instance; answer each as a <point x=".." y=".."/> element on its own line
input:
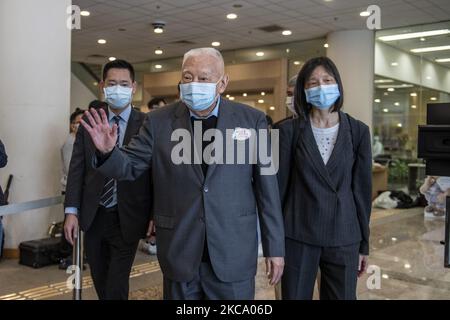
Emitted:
<point x="118" y="97"/>
<point x="290" y="105"/>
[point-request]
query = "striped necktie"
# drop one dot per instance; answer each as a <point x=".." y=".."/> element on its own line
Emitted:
<point x="110" y="184"/>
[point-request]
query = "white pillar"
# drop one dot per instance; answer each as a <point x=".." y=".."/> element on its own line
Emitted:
<point x="34" y="107"/>
<point x="353" y="53"/>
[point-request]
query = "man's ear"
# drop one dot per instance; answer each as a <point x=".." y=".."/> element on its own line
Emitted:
<point x="223" y="84"/>
<point x="134" y="86"/>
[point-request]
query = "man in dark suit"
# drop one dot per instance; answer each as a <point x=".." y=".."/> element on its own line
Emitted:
<point x="114" y="215"/>
<point x="204" y="212"/>
<point x="3" y="162"/>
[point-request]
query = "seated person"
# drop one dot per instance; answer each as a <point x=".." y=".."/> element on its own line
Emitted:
<point x="435" y="189"/>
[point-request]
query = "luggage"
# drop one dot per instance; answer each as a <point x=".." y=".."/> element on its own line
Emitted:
<point x="40" y="253"/>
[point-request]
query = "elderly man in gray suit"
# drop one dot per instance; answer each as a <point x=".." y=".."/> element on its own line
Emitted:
<point x="205" y="212"/>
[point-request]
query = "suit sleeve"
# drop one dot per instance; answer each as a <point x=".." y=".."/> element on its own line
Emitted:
<point x="77" y="169"/>
<point x="129" y="162"/>
<point x="362" y="187"/>
<point x="3" y="156"/>
<point x="268" y="202"/>
<point x="285" y="155"/>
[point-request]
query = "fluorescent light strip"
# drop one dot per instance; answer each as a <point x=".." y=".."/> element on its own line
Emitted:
<point x="395" y="86"/>
<point x="443" y="60"/>
<point x="415" y="35"/>
<point x="430" y="49"/>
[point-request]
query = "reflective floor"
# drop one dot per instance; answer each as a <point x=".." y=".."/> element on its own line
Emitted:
<point x="406" y="258"/>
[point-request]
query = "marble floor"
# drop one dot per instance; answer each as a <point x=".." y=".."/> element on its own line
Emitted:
<point x="406" y="263"/>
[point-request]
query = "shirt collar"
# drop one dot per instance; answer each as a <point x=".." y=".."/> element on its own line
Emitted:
<point x="124" y="115"/>
<point x="215" y="111"/>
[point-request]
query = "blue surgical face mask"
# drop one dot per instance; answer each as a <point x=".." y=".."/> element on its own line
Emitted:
<point x="323" y="97"/>
<point x="198" y="96"/>
<point x="118" y="97"/>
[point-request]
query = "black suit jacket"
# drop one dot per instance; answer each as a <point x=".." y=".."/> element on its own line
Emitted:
<point x="3" y="162"/>
<point x="85" y="186"/>
<point x="326" y="205"/>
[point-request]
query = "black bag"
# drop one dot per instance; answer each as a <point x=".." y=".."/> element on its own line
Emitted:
<point x="40" y="253"/>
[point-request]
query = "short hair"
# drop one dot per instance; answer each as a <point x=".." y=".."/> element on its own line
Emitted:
<point x="204" y="51"/>
<point x="97" y="104"/>
<point x="301" y="105"/>
<point x="292" y="81"/>
<point x="118" y="64"/>
<point x="155" y="101"/>
<point x="75" y="114"/>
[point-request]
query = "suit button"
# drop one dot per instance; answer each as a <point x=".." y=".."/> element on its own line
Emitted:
<point x="205" y="189"/>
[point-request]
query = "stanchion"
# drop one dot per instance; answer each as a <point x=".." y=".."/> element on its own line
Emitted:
<point x="78" y="261"/>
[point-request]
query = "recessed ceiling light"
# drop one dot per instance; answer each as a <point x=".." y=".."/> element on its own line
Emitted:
<point x="391" y="89"/>
<point x="385" y="276"/>
<point x="394" y="239"/>
<point x="158" y="29"/>
<point x="428" y="78"/>
<point x="385" y="110"/>
<point x="263" y="93"/>
<point x="385" y="94"/>
<point x="286" y="32"/>
<point x="85" y="13"/>
<point x="231" y="16"/>
<point x="397" y="104"/>
<point x="260" y="101"/>
<point x="158" y="51"/>
<point x="158" y="66"/>
<point x="377" y="100"/>
<point x="244" y="94"/>
<point x="394" y="64"/>
<point x="415" y="35"/>
<point x="260" y="54"/>
<point x="95" y="83"/>
<point x="414" y="106"/>
<point x="227" y="96"/>
<point x="399" y="125"/>
<point x="297" y="63"/>
<point x="384" y="81"/>
<point x="433" y="98"/>
<point x="272" y="108"/>
<point x="101" y="41"/>
<point x="407" y="266"/>
<point x="288" y="50"/>
<point x="413" y="94"/>
<point x="443" y="60"/>
<point x="215" y="43"/>
<point x="326" y="45"/>
<point x="430" y="49"/>
<point x="231" y="98"/>
<point x="422" y="39"/>
<point x="112" y="58"/>
<point x="364" y="13"/>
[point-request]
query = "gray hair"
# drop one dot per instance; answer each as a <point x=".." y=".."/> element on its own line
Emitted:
<point x="292" y="81"/>
<point x="204" y="51"/>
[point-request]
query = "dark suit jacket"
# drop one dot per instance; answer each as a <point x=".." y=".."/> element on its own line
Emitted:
<point x="328" y="205"/>
<point x="85" y="186"/>
<point x="187" y="205"/>
<point x="3" y="162"/>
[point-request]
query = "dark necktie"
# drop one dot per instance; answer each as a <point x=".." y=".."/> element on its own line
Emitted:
<point x="209" y="123"/>
<point x="108" y="189"/>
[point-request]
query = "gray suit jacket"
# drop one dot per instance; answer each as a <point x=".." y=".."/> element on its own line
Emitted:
<point x="326" y="205"/>
<point x="187" y="205"/>
<point x="85" y="186"/>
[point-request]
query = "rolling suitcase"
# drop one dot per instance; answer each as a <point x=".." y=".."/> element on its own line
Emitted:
<point x="40" y="253"/>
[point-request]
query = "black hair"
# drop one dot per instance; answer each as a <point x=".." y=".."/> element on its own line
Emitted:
<point x="118" y="64"/>
<point x="97" y="104"/>
<point x="155" y="101"/>
<point x="301" y="105"/>
<point x="75" y="114"/>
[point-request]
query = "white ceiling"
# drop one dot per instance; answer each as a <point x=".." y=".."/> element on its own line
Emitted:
<point x="204" y="21"/>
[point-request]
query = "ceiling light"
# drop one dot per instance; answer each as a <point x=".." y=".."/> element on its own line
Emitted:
<point x="286" y="32"/>
<point x="112" y="58"/>
<point x="158" y="30"/>
<point x="95" y="83"/>
<point x="85" y="13"/>
<point x="288" y="50"/>
<point x="272" y="108"/>
<point x="244" y="94"/>
<point x="101" y="41"/>
<point x="158" y="26"/>
<point x="385" y="94"/>
<point x="394" y="64"/>
<point x="433" y="98"/>
<point x="397" y="104"/>
<point x="263" y="93"/>
<point x="231" y="98"/>
<point x="399" y="125"/>
<point x="385" y="276"/>
<point x="227" y="96"/>
<point x="260" y="54"/>
<point x="413" y="106"/>
<point x="158" y="66"/>
<point x="422" y="39"/>
<point x="415" y="35"/>
<point x="364" y="13"/>
<point x="260" y="101"/>
<point x="326" y="45"/>
<point x="158" y="51"/>
<point x="384" y="81"/>
<point x="391" y="89"/>
<point x="215" y="43"/>
<point x="443" y="60"/>
<point x="231" y="16"/>
<point x="377" y="100"/>
<point x="430" y="49"/>
<point x="413" y="94"/>
<point x="394" y="239"/>
<point x="297" y="63"/>
<point x="407" y="266"/>
<point x="394" y="86"/>
<point x="385" y="110"/>
<point x="428" y="78"/>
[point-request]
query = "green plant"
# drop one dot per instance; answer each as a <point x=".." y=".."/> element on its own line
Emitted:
<point x="398" y="170"/>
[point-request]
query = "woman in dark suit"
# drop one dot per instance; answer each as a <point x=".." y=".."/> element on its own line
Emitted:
<point x="325" y="185"/>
